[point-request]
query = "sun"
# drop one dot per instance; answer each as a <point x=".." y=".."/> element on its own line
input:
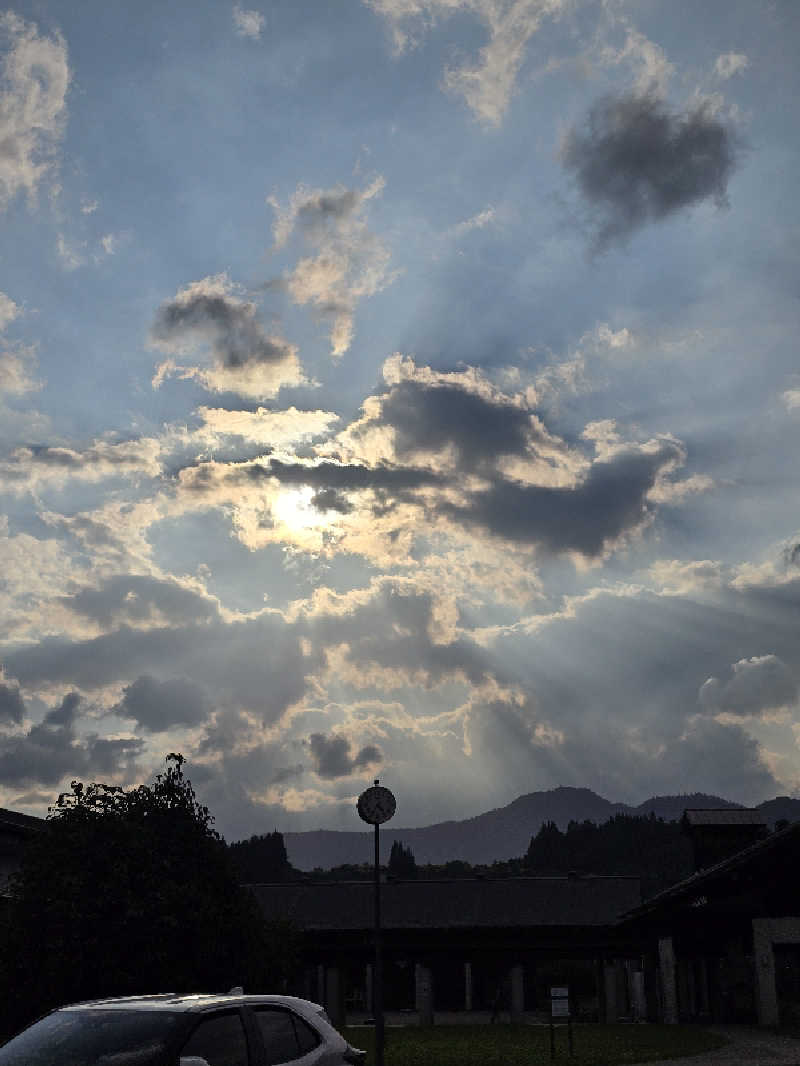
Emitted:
<point x="293" y="508"/>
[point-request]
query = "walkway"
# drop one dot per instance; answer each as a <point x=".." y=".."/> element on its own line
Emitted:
<point x="748" y="1047"/>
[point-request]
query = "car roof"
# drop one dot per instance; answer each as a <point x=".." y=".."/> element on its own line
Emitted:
<point x="197" y="1001"/>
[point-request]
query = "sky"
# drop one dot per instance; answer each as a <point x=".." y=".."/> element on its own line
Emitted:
<point x="403" y="389"/>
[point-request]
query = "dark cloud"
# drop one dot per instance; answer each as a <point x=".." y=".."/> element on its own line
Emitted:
<point x="331" y="500"/>
<point x="257" y="663"/>
<point x="160" y="705"/>
<point x="332" y="758"/>
<point x="12" y="707"/>
<point x="137" y="598"/>
<point x="429" y="418"/>
<point x="757" y="684"/>
<point x="229" y="326"/>
<point x="333" y="204"/>
<point x="64" y="714"/>
<point x="611" y="501"/>
<point x="51" y="751"/>
<point x="636" y="162"/>
<point x="353" y="476"/>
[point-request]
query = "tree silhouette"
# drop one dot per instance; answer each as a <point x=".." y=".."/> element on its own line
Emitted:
<point x="402" y="863"/>
<point x="129" y="893"/>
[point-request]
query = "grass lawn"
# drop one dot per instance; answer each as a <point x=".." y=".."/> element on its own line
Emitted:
<point x="527" y="1045"/>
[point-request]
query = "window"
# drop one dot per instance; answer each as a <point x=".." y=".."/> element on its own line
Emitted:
<point x="219" y="1040"/>
<point x="286" y="1037"/>
<point x="307" y="1037"/>
<point x="93" y="1035"/>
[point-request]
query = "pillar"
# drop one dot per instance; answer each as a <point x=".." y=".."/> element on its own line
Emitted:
<point x="637" y="994"/>
<point x="368" y="984"/>
<point x="610" y="992"/>
<point x="334" y="996"/>
<point x="467" y="986"/>
<point x="669" y="989"/>
<point x="517" y="982"/>
<point x="423" y="993"/>
<point x="764" y="963"/>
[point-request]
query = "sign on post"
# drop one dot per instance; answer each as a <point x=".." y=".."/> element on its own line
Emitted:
<point x="559" y="1008"/>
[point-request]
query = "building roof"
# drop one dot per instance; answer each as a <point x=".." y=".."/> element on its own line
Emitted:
<point x="724" y="816"/>
<point x="24" y="824"/>
<point x="456" y="903"/>
<point x="696" y="882"/>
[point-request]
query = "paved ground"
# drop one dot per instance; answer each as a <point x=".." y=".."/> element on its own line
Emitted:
<point x="747" y="1047"/>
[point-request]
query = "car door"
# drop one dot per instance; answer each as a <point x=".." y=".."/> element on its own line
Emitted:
<point x="221" y="1040"/>
<point x="289" y="1040"/>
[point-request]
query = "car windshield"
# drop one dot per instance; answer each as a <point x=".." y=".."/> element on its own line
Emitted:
<point x="93" y="1038"/>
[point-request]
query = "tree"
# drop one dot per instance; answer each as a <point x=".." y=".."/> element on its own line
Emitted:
<point x="128" y="893"/>
<point x="261" y="859"/>
<point x="402" y="863"/>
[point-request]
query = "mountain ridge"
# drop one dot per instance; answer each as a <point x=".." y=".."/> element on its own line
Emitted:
<point x="503" y="832"/>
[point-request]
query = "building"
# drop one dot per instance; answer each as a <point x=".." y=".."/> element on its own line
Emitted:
<point x="15" y="831"/>
<point x="723" y="945"/>
<point x="458" y="945"/>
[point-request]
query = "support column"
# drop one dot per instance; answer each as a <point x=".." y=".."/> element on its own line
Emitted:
<point x="334" y="996"/>
<point x="423" y="993"/>
<point x="669" y="988"/>
<point x="368" y="981"/>
<point x="517" y="1005"/>
<point x="610" y="992"/>
<point x="467" y="986"/>
<point x="764" y="964"/>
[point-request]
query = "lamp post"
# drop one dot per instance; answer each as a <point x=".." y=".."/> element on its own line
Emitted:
<point x="375" y="806"/>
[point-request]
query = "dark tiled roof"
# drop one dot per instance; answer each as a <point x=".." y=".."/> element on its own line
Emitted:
<point x="724" y="816"/>
<point x="788" y="838"/>
<point x="25" y="824"/>
<point x="462" y="903"/>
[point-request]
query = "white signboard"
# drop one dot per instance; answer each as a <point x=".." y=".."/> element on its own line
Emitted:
<point x="559" y="1002"/>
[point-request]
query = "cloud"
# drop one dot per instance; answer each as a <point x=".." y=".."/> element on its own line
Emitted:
<point x="12" y="707"/>
<point x="730" y="63"/>
<point x="141" y="601"/>
<point x="245" y="359"/>
<point x="331" y="756"/>
<point x="72" y="254"/>
<point x="52" y="752"/>
<point x="8" y="310"/>
<point x="33" y="89"/>
<point x="16" y="366"/>
<point x="653" y="69"/>
<point x="488" y="83"/>
<point x="274" y="429"/>
<point x="247" y="23"/>
<point x="349" y="264"/>
<point x="32" y="465"/>
<point x="588" y="518"/>
<point x="478" y="221"/>
<point x="635" y="162"/>
<point x="159" y="706"/>
<point x="761" y="683"/>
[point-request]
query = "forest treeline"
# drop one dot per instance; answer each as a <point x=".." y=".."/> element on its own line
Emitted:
<point x="648" y="847"/>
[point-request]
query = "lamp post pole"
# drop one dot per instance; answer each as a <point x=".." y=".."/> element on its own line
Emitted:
<point x="377" y="805"/>
<point x="377" y="973"/>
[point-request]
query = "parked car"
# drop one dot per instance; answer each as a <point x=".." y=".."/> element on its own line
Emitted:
<point x="183" y="1030"/>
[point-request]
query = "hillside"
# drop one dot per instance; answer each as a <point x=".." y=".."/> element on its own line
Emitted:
<point x="501" y="833"/>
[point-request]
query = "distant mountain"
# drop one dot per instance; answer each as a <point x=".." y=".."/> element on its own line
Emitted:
<point x="502" y="833"/>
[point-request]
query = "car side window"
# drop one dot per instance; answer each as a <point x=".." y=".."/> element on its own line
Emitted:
<point x="307" y="1037"/>
<point x="219" y="1040"/>
<point x="280" y="1031"/>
